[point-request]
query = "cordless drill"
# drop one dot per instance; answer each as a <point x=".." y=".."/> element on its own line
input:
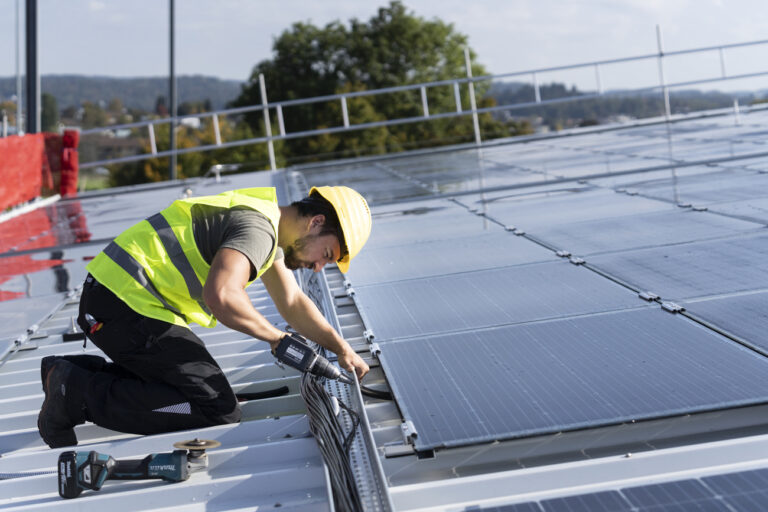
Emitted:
<point x="294" y="351"/>
<point x="89" y="470"/>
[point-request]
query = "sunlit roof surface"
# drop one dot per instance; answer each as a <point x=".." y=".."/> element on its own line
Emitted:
<point x="563" y="321"/>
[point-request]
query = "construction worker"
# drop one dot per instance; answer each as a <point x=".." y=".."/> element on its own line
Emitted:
<point x="191" y="263"/>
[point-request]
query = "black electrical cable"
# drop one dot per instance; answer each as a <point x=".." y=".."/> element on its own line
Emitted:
<point x="259" y="395"/>
<point x="334" y="443"/>
<point x="376" y="393"/>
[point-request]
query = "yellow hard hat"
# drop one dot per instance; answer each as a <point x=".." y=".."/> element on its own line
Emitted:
<point x="354" y="218"/>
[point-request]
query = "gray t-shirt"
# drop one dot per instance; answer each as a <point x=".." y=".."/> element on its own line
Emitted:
<point x="239" y="228"/>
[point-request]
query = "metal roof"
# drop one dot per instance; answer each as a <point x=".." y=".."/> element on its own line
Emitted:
<point x="564" y="321"/>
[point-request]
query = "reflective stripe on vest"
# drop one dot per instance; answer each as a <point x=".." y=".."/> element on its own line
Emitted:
<point x="179" y="259"/>
<point x="134" y="269"/>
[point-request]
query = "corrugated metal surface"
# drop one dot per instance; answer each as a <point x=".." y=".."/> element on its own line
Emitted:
<point x="270" y="460"/>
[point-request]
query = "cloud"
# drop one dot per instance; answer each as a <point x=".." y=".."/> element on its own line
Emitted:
<point x="97" y="5"/>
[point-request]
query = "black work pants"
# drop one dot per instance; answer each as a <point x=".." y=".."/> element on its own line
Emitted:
<point x="163" y="379"/>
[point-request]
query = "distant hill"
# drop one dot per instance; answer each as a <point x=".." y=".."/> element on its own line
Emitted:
<point x="140" y="93"/>
<point x="594" y="110"/>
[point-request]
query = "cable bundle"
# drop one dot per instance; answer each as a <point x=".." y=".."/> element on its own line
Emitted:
<point x="334" y="443"/>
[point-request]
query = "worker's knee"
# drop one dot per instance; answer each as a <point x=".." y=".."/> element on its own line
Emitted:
<point x="224" y="410"/>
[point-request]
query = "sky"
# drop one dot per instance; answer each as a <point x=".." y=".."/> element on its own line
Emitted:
<point x="226" y="38"/>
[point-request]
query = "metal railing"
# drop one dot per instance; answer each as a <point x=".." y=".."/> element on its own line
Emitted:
<point x="426" y="115"/>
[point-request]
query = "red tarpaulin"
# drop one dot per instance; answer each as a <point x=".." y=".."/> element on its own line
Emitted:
<point x="21" y="168"/>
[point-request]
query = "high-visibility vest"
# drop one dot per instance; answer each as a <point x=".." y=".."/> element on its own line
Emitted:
<point x="156" y="268"/>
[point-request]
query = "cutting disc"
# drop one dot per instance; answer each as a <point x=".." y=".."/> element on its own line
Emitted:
<point x="197" y="444"/>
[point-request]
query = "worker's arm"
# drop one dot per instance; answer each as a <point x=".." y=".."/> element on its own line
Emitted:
<point x="224" y="293"/>
<point x="302" y="314"/>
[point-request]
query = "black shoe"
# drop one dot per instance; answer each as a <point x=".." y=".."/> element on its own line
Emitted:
<point x="45" y="367"/>
<point x="57" y="418"/>
<point x="84" y="361"/>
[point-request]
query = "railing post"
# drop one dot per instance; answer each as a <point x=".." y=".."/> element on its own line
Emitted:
<point x="722" y="62"/>
<point x="216" y="130"/>
<point x="598" y="80"/>
<point x="472" y="103"/>
<point x="172" y="107"/>
<point x="424" y="105"/>
<point x="457" y="96"/>
<point x="664" y="88"/>
<point x="536" y="91"/>
<point x="280" y="122"/>
<point x="152" y="142"/>
<point x="736" y="112"/>
<point x="267" y="125"/>
<point x="344" y="111"/>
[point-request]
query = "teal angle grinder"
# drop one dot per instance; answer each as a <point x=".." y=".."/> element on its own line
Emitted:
<point x="79" y="471"/>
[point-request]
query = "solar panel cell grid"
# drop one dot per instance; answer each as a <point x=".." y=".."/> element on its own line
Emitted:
<point x="486" y="298"/>
<point x="552" y="376"/>
<point x="745" y="316"/>
<point x="637" y="231"/>
<point x="745" y="491"/>
<point x="691" y="270"/>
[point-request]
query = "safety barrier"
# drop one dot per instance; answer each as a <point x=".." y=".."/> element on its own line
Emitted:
<point x="21" y="169"/>
<point x="37" y="164"/>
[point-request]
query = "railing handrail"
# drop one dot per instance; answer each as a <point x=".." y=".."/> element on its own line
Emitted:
<point x="455" y="82"/>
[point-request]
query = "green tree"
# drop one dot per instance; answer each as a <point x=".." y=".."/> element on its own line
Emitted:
<point x="49" y="117"/>
<point x="193" y="163"/>
<point x="394" y="47"/>
<point x="93" y="115"/>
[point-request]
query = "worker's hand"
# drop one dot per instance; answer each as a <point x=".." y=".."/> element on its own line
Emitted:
<point x="352" y="362"/>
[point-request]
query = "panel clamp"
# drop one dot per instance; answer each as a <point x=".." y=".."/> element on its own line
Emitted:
<point x="672" y="307"/>
<point x="577" y="261"/>
<point x="563" y="254"/>
<point x="409" y="432"/>
<point x="649" y="296"/>
<point x="368" y="335"/>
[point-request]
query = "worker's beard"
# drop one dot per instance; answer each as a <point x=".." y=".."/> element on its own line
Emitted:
<point x="290" y="257"/>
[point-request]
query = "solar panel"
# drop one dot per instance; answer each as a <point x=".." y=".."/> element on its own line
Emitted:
<point x="608" y="501"/>
<point x="531" y="213"/>
<point x="428" y="258"/>
<point x="486" y="298"/>
<point x="713" y="187"/>
<point x="683" y="493"/>
<point x="436" y="221"/>
<point x="755" y="209"/>
<point x="374" y="183"/>
<point x="691" y="270"/>
<point x="635" y="231"/>
<point x="745" y="316"/>
<point x="547" y="377"/>
<point x="728" y="492"/>
<point x="746" y="490"/>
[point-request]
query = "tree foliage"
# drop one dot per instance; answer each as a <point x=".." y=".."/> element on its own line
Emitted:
<point x="49" y="116"/>
<point x="393" y="48"/>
